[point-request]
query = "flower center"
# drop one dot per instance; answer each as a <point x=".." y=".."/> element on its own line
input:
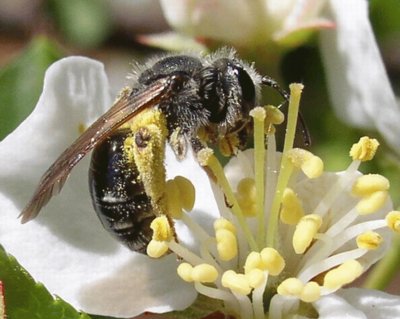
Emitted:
<point x="289" y="233"/>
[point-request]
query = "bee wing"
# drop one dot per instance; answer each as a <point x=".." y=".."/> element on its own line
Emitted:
<point x="126" y="107"/>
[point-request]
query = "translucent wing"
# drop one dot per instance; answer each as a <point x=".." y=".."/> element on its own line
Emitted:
<point x="126" y="107"/>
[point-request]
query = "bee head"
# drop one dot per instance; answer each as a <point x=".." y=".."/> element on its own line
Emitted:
<point x="228" y="90"/>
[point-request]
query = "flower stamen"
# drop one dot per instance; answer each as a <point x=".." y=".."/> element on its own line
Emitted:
<point x="286" y="167"/>
<point x="207" y="159"/>
<point x="342" y="275"/>
<point x="393" y="221"/>
<point x="369" y="240"/>
<point x="364" y="150"/>
<point x="305" y="232"/>
<point x="259" y="115"/>
<point x="291" y="210"/>
<point x="311" y="165"/>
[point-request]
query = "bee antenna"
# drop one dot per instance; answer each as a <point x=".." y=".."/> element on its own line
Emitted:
<point x="268" y="81"/>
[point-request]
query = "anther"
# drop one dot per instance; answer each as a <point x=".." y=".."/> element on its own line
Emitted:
<point x="272" y="261"/>
<point x="246" y="196"/>
<point x="187" y="192"/>
<point x="156" y="249"/>
<point x="253" y="261"/>
<point x="343" y="275"/>
<point x="174" y="205"/>
<point x="364" y="149"/>
<point x="372" y="203"/>
<point x="204" y="273"/>
<point x="291" y="210"/>
<point x="161" y="229"/>
<point x="273" y="115"/>
<point x="305" y="232"/>
<point x="255" y="277"/>
<point x="311" y="165"/>
<point x="184" y="271"/>
<point x="225" y="234"/>
<point x="393" y="220"/>
<point x="369" y="240"/>
<point x="311" y="292"/>
<point x="367" y="184"/>
<point x="236" y="282"/>
<point x="291" y="287"/>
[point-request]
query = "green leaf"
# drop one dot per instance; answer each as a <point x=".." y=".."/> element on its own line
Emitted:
<point x="27" y="299"/>
<point x="21" y="83"/>
<point x="86" y="23"/>
<point x="201" y="308"/>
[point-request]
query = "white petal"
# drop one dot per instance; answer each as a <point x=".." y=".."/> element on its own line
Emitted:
<point x="66" y="247"/>
<point x="375" y="304"/>
<point x="358" y="84"/>
<point x="335" y="307"/>
<point x="358" y="303"/>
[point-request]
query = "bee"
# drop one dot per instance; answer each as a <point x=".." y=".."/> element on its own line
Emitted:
<point x="187" y="101"/>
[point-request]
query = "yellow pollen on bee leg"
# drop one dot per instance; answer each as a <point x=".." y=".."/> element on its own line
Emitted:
<point x="343" y="275"/>
<point x="305" y="232"/>
<point x="291" y="287"/>
<point x="364" y="149"/>
<point x="311" y="165"/>
<point x="393" y="220"/>
<point x="291" y="210"/>
<point x="369" y="240"/>
<point x="236" y="282"/>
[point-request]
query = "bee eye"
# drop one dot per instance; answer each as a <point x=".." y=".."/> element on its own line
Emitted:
<point x="247" y="86"/>
<point x="177" y="82"/>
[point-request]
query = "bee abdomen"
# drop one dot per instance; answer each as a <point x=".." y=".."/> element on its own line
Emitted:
<point x="118" y="195"/>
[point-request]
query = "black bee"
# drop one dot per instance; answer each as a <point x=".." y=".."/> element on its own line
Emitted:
<point x="201" y="99"/>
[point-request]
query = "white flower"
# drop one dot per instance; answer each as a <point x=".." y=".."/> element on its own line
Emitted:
<point x="288" y="236"/>
<point x="67" y="249"/>
<point x="243" y="22"/>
